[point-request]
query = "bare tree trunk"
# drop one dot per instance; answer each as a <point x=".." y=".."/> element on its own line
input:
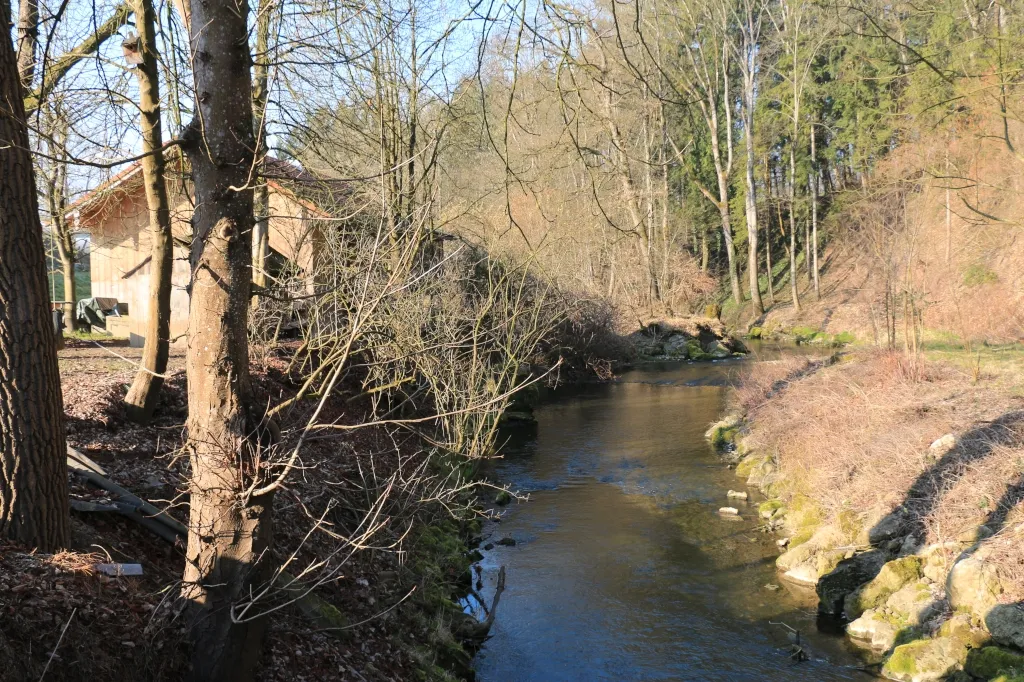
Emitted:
<point x="144" y="393"/>
<point x="229" y="519"/>
<point x="814" y="215"/>
<point x="768" y="233"/>
<point x="793" y="272"/>
<point x="28" y="40"/>
<point x="56" y="198"/>
<point x="751" y="206"/>
<point x="261" y="72"/>
<point x="33" y="473"/>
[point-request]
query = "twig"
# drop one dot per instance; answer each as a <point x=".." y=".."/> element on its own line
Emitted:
<point x="59" y="640"/>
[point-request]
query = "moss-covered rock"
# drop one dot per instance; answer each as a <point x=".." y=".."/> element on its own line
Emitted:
<point x="694" y="351"/>
<point x="845" y="578"/>
<point x="1006" y="623"/>
<point x="973" y="586"/>
<point x="768" y="508"/>
<point x="893" y="576"/>
<point x="755" y="333"/>
<point x="992" y="661"/>
<point x="925" y="660"/>
<point x="722" y="434"/>
<point x="873" y="630"/>
<point x="749" y="464"/>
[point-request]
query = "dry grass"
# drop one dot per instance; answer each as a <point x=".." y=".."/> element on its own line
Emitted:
<point x="856" y="435"/>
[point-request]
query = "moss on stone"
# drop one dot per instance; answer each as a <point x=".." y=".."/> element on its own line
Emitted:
<point x="749" y="464"/>
<point x="755" y="333"/>
<point x="694" y="350"/>
<point x="991" y="661"/>
<point x="843" y="338"/>
<point x="803" y="513"/>
<point x="904" y="658"/>
<point x="770" y="506"/>
<point x="1013" y="676"/>
<point x="894" y="575"/>
<point x="801" y="537"/>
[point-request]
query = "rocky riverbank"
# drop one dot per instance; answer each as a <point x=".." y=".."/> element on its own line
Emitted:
<point x="895" y="487"/>
<point x="691" y="338"/>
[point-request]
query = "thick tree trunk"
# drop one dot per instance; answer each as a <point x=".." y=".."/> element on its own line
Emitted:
<point x="33" y="480"/>
<point x="229" y="529"/>
<point x="144" y="393"/>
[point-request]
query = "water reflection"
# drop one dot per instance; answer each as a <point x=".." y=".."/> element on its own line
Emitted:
<point x="622" y="568"/>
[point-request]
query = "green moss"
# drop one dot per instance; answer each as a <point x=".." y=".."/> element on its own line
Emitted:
<point x="990" y="661"/>
<point x="1013" y="676"/>
<point x="904" y="657"/>
<point x="843" y="338"/>
<point x="755" y="333"/>
<point x="803" y="332"/>
<point x="694" y="350"/>
<point x="749" y="464"/>
<point x="978" y="274"/>
<point x="803" y="512"/>
<point x="891" y="578"/>
<point x="769" y="506"/>
<point x="801" y="537"/>
<point x="502" y="498"/>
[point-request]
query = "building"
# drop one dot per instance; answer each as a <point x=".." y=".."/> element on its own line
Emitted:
<point x="116" y="217"/>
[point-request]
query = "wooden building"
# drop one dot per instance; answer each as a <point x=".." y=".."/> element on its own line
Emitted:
<point x="116" y="217"/>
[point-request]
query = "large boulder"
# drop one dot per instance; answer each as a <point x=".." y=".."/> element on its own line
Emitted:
<point x="989" y="662"/>
<point x="717" y="350"/>
<point x="925" y="660"/>
<point x="675" y="346"/>
<point x="973" y="587"/>
<point x="846" y="578"/>
<point x="914" y="603"/>
<point x="873" y="594"/>
<point x="873" y="630"/>
<point x="1006" y="624"/>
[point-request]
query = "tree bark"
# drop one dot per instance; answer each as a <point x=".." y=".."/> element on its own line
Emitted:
<point x="144" y="393"/>
<point x="28" y="40"/>
<point x="751" y="207"/>
<point x="33" y="485"/>
<point x="793" y="272"/>
<point x="229" y="528"/>
<point x="814" y="215"/>
<point x="261" y="231"/>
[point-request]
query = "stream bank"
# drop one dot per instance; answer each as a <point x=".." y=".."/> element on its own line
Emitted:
<point x="620" y="566"/>
<point x="895" y="487"/>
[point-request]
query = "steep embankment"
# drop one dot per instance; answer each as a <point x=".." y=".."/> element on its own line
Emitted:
<point x="931" y="241"/>
<point x="896" y="487"/>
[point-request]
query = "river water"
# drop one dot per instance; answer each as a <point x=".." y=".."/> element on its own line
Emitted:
<point x="622" y="568"/>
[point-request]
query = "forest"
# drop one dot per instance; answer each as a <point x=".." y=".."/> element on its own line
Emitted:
<point x="310" y="262"/>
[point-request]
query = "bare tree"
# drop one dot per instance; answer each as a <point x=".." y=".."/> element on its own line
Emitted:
<point x="749" y="48"/>
<point x="703" y="30"/>
<point x="229" y="530"/>
<point x="144" y="393"/>
<point x="33" y="488"/>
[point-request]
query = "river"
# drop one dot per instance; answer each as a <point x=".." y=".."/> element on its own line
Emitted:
<point x="622" y="568"/>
